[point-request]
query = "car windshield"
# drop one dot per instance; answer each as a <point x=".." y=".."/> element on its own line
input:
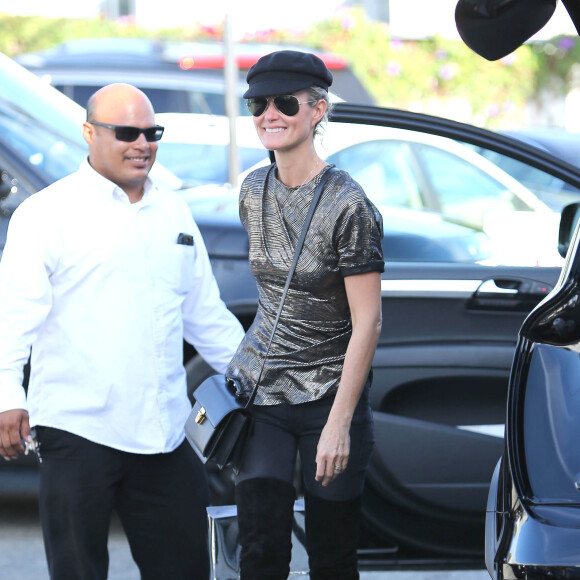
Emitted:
<point x="42" y="125"/>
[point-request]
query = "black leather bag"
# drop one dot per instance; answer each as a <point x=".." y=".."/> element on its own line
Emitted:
<point x="220" y="421"/>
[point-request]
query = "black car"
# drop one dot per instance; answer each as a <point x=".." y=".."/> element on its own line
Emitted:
<point x="451" y="314"/>
<point x="533" y="515"/>
<point x="533" y="510"/>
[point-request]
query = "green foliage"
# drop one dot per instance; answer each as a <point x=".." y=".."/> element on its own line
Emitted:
<point x="20" y="34"/>
<point x="557" y="63"/>
<point x="434" y="75"/>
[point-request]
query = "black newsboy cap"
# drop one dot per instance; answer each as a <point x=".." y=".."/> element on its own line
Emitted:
<point x="286" y="71"/>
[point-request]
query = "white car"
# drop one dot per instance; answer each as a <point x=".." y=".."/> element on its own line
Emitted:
<point x="403" y="169"/>
<point x="195" y="147"/>
<point x="416" y="170"/>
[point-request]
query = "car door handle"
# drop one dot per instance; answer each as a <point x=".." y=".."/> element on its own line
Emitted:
<point x="496" y="294"/>
<point x="492" y="287"/>
<point x="508" y="294"/>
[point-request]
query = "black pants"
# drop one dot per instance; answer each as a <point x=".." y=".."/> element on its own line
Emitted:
<point x="265" y="495"/>
<point x="160" y="500"/>
<point x="282" y="431"/>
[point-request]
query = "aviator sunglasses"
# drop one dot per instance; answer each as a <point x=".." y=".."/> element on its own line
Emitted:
<point x="130" y="134"/>
<point x="288" y="105"/>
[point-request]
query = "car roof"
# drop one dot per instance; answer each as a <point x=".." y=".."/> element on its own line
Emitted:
<point x="201" y="59"/>
<point x="124" y="52"/>
<point x="99" y="76"/>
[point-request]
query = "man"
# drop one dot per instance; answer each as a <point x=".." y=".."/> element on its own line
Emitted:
<point x="103" y="275"/>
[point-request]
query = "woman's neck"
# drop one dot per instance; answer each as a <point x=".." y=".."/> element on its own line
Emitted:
<point x="296" y="170"/>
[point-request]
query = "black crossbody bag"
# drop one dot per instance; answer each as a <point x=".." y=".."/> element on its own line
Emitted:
<point x="220" y="421"/>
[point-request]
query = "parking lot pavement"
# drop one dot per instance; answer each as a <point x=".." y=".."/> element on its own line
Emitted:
<point x="22" y="554"/>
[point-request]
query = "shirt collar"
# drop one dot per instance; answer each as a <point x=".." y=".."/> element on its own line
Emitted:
<point x="107" y="187"/>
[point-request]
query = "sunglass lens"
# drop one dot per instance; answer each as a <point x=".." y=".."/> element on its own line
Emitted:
<point x="153" y="133"/>
<point x="130" y="134"/>
<point x="257" y="106"/>
<point x="287" y="104"/>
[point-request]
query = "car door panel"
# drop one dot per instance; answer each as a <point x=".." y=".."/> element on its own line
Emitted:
<point x="440" y="376"/>
<point x="459" y="487"/>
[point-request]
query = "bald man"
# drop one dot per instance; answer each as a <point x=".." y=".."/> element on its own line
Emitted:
<point x="103" y="275"/>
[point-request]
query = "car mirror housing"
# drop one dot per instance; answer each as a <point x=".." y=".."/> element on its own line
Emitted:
<point x="495" y="28"/>
<point x="568" y="221"/>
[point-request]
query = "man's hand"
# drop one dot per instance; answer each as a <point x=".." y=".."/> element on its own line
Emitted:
<point x="14" y="428"/>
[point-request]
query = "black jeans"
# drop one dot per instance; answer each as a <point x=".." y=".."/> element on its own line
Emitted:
<point x="282" y="431"/>
<point x="160" y="500"/>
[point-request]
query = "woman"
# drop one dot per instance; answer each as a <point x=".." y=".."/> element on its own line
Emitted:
<point x="313" y="393"/>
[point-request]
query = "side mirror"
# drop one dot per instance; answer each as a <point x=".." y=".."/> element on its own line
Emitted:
<point x="495" y="28"/>
<point x="568" y="221"/>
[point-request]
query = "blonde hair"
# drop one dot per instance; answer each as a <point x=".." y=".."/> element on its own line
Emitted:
<point x="316" y="93"/>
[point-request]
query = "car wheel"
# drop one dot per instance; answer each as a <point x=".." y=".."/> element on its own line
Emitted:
<point x="221" y="482"/>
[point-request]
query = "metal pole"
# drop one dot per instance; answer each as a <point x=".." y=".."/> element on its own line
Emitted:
<point x="232" y="105"/>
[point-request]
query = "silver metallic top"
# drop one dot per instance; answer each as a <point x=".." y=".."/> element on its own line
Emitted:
<point x="344" y="238"/>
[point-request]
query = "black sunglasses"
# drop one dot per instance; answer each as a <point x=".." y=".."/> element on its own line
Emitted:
<point x="288" y="105"/>
<point x="130" y="134"/>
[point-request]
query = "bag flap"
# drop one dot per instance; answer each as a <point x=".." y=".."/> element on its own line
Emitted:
<point x="217" y="398"/>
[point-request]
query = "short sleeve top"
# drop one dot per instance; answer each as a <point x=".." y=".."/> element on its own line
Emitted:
<point x="344" y="239"/>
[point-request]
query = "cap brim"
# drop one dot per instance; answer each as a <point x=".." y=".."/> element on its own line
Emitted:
<point x="271" y="88"/>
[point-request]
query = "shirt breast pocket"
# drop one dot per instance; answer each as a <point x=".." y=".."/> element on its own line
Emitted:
<point x="177" y="267"/>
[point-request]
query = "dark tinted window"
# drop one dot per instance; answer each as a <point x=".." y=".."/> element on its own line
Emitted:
<point x="164" y="100"/>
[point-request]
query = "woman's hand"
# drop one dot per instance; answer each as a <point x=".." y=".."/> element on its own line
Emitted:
<point x="364" y="299"/>
<point x="332" y="452"/>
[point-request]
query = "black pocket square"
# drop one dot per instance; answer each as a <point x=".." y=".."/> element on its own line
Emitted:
<point x="185" y="239"/>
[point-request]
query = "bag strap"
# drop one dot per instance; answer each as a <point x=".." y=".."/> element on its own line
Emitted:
<point x="297" y="250"/>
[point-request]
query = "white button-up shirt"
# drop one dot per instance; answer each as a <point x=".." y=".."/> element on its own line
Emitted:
<point x="104" y="294"/>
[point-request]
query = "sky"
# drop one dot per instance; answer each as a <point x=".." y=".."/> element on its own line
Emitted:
<point x="294" y="14"/>
<point x="436" y="15"/>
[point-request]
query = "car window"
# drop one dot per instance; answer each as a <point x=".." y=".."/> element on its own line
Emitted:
<point x="43" y="126"/>
<point x="163" y="99"/>
<point x="462" y="189"/>
<point x="455" y="182"/>
<point x="50" y="153"/>
<point x="384" y="169"/>
<point x="555" y="192"/>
